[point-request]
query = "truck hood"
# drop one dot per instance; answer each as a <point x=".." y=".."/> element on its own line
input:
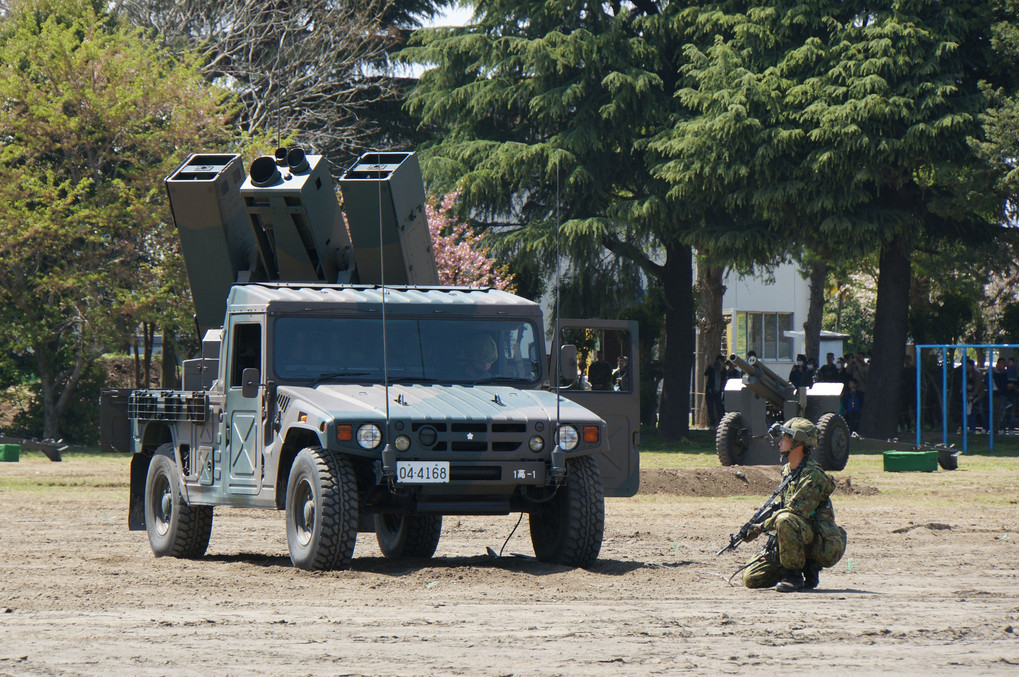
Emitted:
<point x="443" y="402"/>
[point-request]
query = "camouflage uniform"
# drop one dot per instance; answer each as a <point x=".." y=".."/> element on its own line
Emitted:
<point x="804" y="528"/>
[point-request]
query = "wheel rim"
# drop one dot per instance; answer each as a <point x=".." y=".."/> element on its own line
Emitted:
<point x="162" y="504"/>
<point x="304" y="515"/>
<point x="839" y="443"/>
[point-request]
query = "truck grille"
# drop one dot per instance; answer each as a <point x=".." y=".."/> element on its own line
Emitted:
<point x="150" y="405"/>
<point x="480" y="436"/>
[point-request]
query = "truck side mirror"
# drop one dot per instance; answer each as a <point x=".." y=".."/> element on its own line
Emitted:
<point x="249" y="382"/>
<point x="568" y="362"/>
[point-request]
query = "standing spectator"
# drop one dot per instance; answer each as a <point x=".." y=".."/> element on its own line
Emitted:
<point x="796" y="374"/>
<point x="599" y="374"/>
<point x="714" y="386"/>
<point x="859" y="369"/>
<point x="852" y="404"/>
<point x="809" y="373"/>
<point x="1000" y="377"/>
<point x="829" y="371"/>
<point x="843" y="370"/>
<point x="976" y="389"/>
<point x="621" y="374"/>
<point x="1012" y="400"/>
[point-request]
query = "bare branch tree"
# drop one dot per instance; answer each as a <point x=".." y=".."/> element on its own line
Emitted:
<point x="312" y="67"/>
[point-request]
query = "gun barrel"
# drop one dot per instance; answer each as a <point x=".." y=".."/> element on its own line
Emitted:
<point x="763" y="381"/>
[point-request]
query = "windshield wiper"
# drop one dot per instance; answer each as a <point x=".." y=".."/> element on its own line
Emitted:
<point x="336" y="374"/>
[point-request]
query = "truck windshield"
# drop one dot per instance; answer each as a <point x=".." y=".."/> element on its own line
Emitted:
<point x="339" y="349"/>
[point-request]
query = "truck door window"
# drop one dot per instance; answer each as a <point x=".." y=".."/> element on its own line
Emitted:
<point x="602" y="357"/>
<point x="247" y="351"/>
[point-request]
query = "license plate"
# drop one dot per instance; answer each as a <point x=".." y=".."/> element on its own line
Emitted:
<point x="422" y="472"/>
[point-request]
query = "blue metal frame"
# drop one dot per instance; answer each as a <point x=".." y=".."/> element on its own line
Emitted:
<point x="944" y="389"/>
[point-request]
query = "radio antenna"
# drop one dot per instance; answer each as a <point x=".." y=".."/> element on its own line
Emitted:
<point x="558" y="271"/>
<point x="558" y="456"/>
<point x="388" y="455"/>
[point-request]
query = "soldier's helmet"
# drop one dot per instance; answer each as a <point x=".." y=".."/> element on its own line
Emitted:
<point x="801" y="430"/>
<point x="481" y="348"/>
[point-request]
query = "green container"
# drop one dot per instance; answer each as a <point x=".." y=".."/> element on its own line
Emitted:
<point x="10" y="453"/>
<point x="911" y="461"/>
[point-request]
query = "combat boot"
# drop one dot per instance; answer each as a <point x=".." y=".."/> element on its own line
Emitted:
<point x="792" y="582"/>
<point x="810" y="575"/>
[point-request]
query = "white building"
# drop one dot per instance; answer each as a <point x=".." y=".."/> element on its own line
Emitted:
<point x="765" y="313"/>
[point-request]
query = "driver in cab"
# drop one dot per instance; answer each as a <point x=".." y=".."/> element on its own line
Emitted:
<point x="480" y="353"/>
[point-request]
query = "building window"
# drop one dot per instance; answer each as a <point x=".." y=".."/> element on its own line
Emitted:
<point x="763" y="333"/>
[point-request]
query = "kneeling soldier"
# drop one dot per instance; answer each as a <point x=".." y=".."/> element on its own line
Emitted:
<point x="804" y="526"/>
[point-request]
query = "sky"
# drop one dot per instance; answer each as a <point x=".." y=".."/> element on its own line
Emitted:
<point x="453" y="16"/>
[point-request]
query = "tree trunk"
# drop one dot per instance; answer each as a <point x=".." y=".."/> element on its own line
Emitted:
<point x="881" y="402"/>
<point x="677" y="283"/>
<point x="712" y="326"/>
<point x="815" y="311"/>
<point x="168" y="365"/>
<point x="149" y="335"/>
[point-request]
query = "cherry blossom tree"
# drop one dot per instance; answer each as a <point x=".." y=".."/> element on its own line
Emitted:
<point x="461" y="255"/>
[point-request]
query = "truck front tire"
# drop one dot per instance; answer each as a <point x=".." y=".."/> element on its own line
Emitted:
<point x="321" y="511"/>
<point x="407" y="535"/>
<point x="568" y="530"/>
<point x="175" y="528"/>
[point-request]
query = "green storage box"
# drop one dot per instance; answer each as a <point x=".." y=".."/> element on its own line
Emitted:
<point x="10" y="452"/>
<point x="915" y="461"/>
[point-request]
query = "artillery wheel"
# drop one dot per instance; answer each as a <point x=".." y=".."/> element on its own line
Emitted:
<point x="832" y="442"/>
<point x="568" y="529"/>
<point x="175" y="528"/>
<point x="407" y="535"/>
<point x="730" y="439"/>
<point x="321" y="510"/>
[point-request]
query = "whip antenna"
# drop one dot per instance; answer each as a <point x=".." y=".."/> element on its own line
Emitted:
<point x="558" y="456"/>
<point x="388" y="455"/>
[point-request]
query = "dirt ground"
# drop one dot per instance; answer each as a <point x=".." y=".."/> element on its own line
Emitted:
<point x="926" y="587"/>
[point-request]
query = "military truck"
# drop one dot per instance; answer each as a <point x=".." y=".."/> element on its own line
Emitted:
<point x="352" y="405"/>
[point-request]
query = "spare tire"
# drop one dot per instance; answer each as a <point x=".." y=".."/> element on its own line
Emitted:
<point x="832" y="442"/>
<point x="730" y="439"/>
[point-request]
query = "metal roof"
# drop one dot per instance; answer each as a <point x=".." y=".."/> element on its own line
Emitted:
<point x="261" y="297"/>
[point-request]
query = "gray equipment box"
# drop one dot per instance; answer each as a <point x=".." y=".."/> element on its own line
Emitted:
<point x="392" y="182"/>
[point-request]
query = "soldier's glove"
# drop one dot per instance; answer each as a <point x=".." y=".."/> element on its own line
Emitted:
<point x="752" y="533"/>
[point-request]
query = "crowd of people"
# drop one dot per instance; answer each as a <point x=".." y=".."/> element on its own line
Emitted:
<point x="850" y="370"/>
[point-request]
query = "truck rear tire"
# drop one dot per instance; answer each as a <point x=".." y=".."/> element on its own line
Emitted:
<point x="175" y="528"/>
<point x="832" y="442"/>
<point x="321" y="511"/>
<point x="402" y="535"/>
<point x="730" y="440"/>
<point x="569" y="529"/>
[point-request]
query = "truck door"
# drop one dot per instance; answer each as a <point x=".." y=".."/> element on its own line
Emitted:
<point x="244" y="429"/>
<point x="607" y="356"/>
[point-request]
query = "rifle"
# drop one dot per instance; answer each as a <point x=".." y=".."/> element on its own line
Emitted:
<point x="770" y="507"/>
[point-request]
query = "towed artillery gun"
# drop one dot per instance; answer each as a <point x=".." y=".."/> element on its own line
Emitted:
<point x="762" y="397"/>
<point x="339" y="383"/>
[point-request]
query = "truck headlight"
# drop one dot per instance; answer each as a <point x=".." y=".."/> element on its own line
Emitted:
<point x="567" y="437"/>
<point x="536" y="443"/>
<point x="369" y="436"/>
